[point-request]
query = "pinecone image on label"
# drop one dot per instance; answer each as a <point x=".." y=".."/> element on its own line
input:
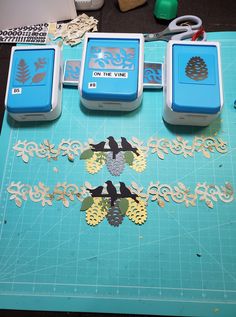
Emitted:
<point x="196" y="68"/>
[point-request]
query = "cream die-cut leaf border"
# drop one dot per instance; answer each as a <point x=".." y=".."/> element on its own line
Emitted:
<point x="180" y="146"/>
<point x="133" y="204"/>
<point x="161" y="146"/>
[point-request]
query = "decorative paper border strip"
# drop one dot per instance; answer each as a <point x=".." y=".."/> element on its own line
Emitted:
<point x="115" y="201"/>
<point x="116" y="154"/>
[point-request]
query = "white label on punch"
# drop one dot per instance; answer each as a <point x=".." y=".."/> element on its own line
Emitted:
<point x="16" y="91"/>
<point x="110" y="74"/>
<point x="92" y="85"/>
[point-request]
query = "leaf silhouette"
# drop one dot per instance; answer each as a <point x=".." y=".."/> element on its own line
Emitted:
<point x="65" y="202"/>
<point x="160" y="155"/>
<point x="22" y="74"/>
<point x="25" y="158"/>
<point x="38" y="77"/>
<point x="206" y="154"/>
<point x="40" y="63"/>
<point x="18" y="202"/>
<point x="87" y="203"/>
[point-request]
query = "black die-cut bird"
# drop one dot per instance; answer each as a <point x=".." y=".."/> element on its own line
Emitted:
<point x="98" y="147"/>
<point x="126" y="146"/>
<point x="125" y="192"/>
<point x="113" y="146"/>
<point x="96" y="192"/>
<point x="112" y="192"/>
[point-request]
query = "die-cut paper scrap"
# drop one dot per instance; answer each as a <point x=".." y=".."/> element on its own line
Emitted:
<point x="117" y="201"/>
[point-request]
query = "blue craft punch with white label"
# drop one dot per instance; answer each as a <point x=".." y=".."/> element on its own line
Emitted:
<point x="112" y="73"/>
<point x="34" y="85"/>
<point x="193" y="87"/>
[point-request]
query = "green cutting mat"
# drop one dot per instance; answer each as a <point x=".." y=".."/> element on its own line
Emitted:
<point x="51" y="259"/>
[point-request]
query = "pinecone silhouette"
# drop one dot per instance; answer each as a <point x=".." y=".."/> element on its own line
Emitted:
<point x="22" y="74"/>
<point x="117" y="165"/>
<point x="114" y="216"/>
<point x="196" y="68"/>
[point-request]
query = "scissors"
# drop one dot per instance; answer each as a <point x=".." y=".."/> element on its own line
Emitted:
<point x="183" y="27"/>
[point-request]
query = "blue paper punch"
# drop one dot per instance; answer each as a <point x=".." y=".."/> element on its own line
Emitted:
<point x="193" y="87"/>
<point x="112" y="73"/>
<point x="34" y="86"/>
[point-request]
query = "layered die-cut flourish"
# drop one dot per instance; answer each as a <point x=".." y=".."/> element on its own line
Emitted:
<point x="115" y="155"/>
<point x="179" y="146"/>
<point x="117" y="201"/>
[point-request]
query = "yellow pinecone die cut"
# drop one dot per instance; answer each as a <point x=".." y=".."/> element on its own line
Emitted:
<point x="95" y="163"/>
<point x="137" y="212"/>
<point x="97" y="212"/>
<point x="139" y="162"/>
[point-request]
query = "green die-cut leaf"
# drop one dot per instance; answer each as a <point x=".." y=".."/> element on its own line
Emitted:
<point x="87" y="154"/>
<point x="123" y="205"/>
<point x="87" y="203"/>
<point x="129" y="157"/>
